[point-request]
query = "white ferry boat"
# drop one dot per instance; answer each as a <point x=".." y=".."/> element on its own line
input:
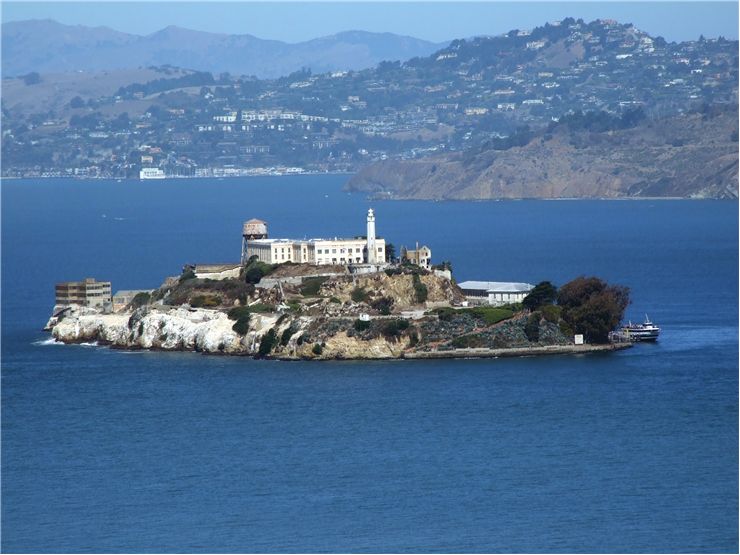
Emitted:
<point x="151" y="173"/>
<point x="647" y="331"/>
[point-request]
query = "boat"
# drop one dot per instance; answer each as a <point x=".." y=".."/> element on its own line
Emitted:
<point x="647" y="331"/>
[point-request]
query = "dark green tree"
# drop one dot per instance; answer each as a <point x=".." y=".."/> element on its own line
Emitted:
<point x="593" y="307"/>
<point x="543" y="293"/>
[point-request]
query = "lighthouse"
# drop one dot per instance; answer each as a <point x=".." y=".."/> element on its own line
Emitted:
<point x="372" y="250"/>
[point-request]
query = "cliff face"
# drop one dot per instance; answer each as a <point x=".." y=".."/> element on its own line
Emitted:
<point x="690" y="156"/>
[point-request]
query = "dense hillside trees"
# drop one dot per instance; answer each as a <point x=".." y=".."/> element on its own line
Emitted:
<point x="592" y="307"/>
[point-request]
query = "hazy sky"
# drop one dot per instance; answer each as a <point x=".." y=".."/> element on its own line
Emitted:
<point x="435" y="21"/>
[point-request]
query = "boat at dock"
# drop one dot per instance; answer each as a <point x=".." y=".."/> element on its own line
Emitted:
<point x="647" y="331"/>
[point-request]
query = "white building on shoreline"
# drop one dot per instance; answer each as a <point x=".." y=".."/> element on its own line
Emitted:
<point x="358" y="250"/>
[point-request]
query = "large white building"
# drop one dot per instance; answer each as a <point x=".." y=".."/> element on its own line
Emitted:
<point x="359" y="250"/>
<point x="495" y="292"/>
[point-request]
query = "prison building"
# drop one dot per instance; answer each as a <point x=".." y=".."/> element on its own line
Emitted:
<point x="90" y="293"/>
<point x="495" y="293"/>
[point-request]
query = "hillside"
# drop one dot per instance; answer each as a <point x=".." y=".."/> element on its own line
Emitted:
<point x="452" y="103"/>
<point x="46" y="46"/>
<point x="694" y="155"/>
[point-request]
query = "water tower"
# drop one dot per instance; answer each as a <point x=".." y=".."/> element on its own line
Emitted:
<point x="252" y="229"/>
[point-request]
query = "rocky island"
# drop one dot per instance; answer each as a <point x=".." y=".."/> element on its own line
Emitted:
<point x="338" y="299"/>
<point x="403" y="312"/>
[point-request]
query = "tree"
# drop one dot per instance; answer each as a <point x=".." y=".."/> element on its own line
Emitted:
<point x="390" y="252"/>
<point x="542" y="294"/>
<point x="593" y="307"/>
<point x="77" y="102"/>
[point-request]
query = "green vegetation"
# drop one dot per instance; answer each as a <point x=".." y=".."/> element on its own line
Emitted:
<point x="242" y="315"/>
<point x="532" y="327"/>
<point x="335" y="300"/>
<point x="383" y="305"/>
<point x="394" y="328"/>
<point x="268" y="342"/>
<point x="238" y="312"/>
<point x="317" y="349"/>
<point x="359" y="295"/>
<point x="255" y="270"/>
<point x="473" y="341"/>
<point x="261" y="307"/>
<point x="187" y="274"/>
<point x="444" y="265"/>
<point x="361" y="325"/>
<point x="592" y="307"/>
<point x="241" y="326"/>
<point x="491" y="314"/>
<point x="287" y="334"/>
<point x="205" y="301"/>
<point x="544" y="293"/>
<point x="420" y="290"/>
<point x="311" y="286"/>
<point x="551" y="313"/>
<point x="140" y="299"/>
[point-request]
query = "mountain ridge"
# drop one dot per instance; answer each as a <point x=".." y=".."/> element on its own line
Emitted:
<point x="45" y="45"/>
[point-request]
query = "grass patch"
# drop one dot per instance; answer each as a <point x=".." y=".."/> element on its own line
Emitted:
<point x="205" y="301"/>
<point x="491" y="314"/>
<point x="359" y="295"/>
<point x="261" y="307"/>
<point x="310" y="287"/>
<point x="474" y="341"/>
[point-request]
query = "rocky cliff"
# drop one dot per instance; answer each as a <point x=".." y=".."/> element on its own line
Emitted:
<point x="689" y="156"/>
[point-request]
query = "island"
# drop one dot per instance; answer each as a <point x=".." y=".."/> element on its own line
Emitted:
<point x="340" y="299"/>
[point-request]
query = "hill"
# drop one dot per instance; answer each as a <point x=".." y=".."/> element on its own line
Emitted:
<point x="688" y="156"/>
<point x="46" y="46"/>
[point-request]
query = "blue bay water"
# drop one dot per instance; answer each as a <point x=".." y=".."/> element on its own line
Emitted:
<point x="106" y="450"/>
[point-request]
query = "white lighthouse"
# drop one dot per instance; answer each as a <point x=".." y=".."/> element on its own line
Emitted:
<point x="372" y="251"/>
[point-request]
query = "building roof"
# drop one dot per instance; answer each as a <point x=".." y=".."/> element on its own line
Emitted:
<point x="496" y="286"/>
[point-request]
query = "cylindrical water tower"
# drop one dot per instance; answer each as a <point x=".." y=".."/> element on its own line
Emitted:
<point x="252" y="229"/>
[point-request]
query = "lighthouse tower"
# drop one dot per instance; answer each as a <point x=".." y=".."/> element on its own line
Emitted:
<point x="372" y="251"/>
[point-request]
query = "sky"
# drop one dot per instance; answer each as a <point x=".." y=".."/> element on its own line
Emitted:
<point x="434" y="21"/>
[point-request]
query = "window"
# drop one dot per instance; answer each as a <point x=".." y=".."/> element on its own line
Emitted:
<point x="334" y="251"/>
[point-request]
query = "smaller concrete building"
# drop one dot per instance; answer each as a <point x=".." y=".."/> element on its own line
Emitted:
<point x="90" y="293"/>
<point x="124" y="297"/>
<point x="495" y="293"/>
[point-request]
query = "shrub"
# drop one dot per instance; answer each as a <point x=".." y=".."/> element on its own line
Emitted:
<point x="532" y="327"/>
<point x="267" y="343"/>
<point x="394" y="328"/>
<point x="551" y="313"/>
<point x="187" y="274"/>
<point x="317" y="349"/>
<point x="255" y="270"/>
<point x="359" y="295"/>
<point x="241" y="326"/>
<point x="310" y="287"/>
<point x="413" y="338"/>
<point x="383" y="305"/>
<point x="261" y="307"/>
<point x="420" y="289"/>
<point x="238" y="312"/>
<point x="361" y="325"/>
<point x="287" y="334"/>
<point x="445" y="314"/>
<point x="335" y="300"/>
<point x="140" y="299"/>
<point x="205" y="301"/>
<point x="469" y="341"/>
